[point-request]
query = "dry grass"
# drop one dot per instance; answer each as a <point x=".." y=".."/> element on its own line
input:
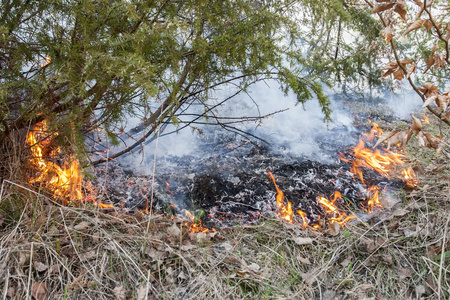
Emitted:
<point x="48" y="251"/>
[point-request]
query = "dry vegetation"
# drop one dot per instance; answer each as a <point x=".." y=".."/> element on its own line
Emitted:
<point x="48" y="251"/>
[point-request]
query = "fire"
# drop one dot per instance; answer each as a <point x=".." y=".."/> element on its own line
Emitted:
<point x="64" y="182"/>
<point x="425" y="119"/>
<point x="375" y="160"/>
<point x="286" y="211"/>
<point x="195" y="224"/>
<point x="304" y="218"/>
<point x="410" y="177"/>
<point x="374" y="201"/>
<point x="336" y="215"/>
<point x="385" y="163"/>
<point x="374" y="132"/>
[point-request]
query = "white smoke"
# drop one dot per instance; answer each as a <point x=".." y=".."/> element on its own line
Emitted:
<point x="298" y="132"/>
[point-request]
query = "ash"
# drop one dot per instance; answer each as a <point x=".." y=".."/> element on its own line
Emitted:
<point x="232" y="186"/>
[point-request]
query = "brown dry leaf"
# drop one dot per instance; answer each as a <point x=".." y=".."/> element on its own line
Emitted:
<point x="421" y="139"/>
<point x="435" y="47"/>
<point x="40" y="267"/>
<point x="188" y="247"/>
<point x="430" y="62"/>
<point x="367" y="245"/>
<point x="442" y="102"/>
<point x="54" y="269"/>
<point x="302" y="241"/>
<point x="427" y="25"/>
<point x="381" y="1"/>
<point x="411" y="69"/>
<point x="39" y="290"/>
<point x="388" y="201"/>
<point x="329" y="295"/>
<point x="414" y="26"/>
<point x="388" y="34"/>
<point x="88" y="255"/>
<point x="398" y="74"/>
<point x="400" y="8"/>
<point x="346" y="261"/>
<point x="416" y="124"/>
<point x="174" y="230"/>
<point x="82" y="226"/>
<point x="11" y="291"/>
<point x="429" y="89"/>
<point x="305" y="261"/>
<point x="334" y="228"/>
<point x="435" y="142"/>
<point x="388" y="72"/>
<point x="382" y="7"/>
<point x="254" y="267"/>
<point x="405" y="61"/>
<point x="384" y="136"/>
<point x="310" y="277"/>
<point x="404" y="273"/>
<point x="390" y="65"/>
<point x="119" y="292"/>
<point x="419" y="3"/>
<point x="141" y="292"/>
<point x="23" y="258"/>
<point x="402" y="138"/>
<point x="400" y="212"/>
<point x="440" y="61"/>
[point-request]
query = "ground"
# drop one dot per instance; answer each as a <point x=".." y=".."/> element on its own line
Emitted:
<point x="49" y="251"/>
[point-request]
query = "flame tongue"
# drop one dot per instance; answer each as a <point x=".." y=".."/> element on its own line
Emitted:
<point x="195" y="224"/>
<point x="385" y="163"/>
<point x="286" y="211"/>
<point x="64" y="182"/>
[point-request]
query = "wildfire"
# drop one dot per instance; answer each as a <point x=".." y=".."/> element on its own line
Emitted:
<point x="336" y="215"/>
<point x="64" y="182"/>
<point x="386" y="163"/>
<point x="286" y="211"/>
<point x="195" y="224"/>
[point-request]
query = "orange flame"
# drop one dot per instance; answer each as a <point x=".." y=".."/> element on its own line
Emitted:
<point x="64" y="182"/>
<point x="410" y="177"/>
<point x="286" y="211"/>
<point x="374" y="132"/>
<point x="304" y="218"/>
<point x="425" y="119"/>
<point x="385" y="164"/>
<point x="195" y="225"/>
<point x="374" y="201"/>
<point x="330" y="208"/>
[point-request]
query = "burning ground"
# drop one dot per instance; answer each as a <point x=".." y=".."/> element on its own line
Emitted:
<point x="246" y="183"/>
<point x="255" y="252"/>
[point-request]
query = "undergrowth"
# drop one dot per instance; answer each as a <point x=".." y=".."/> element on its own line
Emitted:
<point x="49" y="251"/>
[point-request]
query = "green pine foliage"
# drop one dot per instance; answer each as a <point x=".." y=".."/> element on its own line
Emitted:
<point x="83" y="64"/>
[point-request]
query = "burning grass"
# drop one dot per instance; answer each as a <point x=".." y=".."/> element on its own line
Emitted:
<point x="50" y="251"/>
<point x="71" y="253"/>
